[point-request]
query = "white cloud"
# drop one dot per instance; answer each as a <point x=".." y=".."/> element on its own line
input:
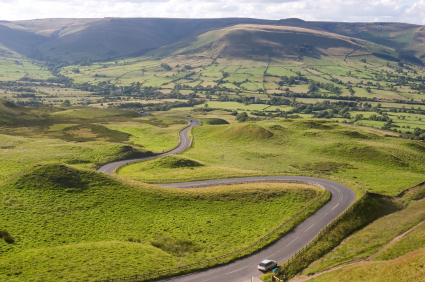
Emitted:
<point x="411" y="11"/>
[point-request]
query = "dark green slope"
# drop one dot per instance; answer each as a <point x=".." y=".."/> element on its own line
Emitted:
<point x="110" y="38"/>
<point x="22" y="42"/>
<point x="244" y="41"/>
<point x="406" y="38"/>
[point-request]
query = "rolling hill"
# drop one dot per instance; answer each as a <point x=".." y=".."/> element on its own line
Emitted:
<point x="249" y="40"/>
<point x="109" y="38"/>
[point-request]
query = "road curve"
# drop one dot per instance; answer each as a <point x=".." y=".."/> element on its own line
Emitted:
<point x="281" y="250"/>
<point x="241" y="270"/>
<point x="184" y="144"/>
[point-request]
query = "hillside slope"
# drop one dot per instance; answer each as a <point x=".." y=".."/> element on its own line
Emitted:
<point x="264" y="40"/>
<point x="406" y="38"/>
<point x="78" y="225"/>
<point x="109" y="38"/>
<point x="76" y="39"/>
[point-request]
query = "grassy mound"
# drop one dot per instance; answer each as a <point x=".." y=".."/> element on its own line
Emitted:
<point x="82" y="225"/>
<point x="245" y="131"/>
<point x="50" y="176"/>
<point x="172" y="161"/>
<point x="8" y="104"/>
<point x="213" y="121"/>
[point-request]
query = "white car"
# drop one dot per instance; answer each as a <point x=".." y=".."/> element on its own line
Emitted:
<point x="267" y="265"/>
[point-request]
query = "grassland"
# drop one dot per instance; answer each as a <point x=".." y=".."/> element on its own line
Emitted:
<point x="72" y="224"/>
<point x="380" y="164"/>
<point x="403" y="269"/>
<point x="177" y="168"/>
<point x="83" y="137"/>
<point x="367" y="242"/>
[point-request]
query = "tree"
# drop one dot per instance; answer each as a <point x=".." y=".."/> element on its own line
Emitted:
<point x="242" y="117"/>
<point x="166" y="67"/>
<point x="66" y="103"/>
<point x="312" y="87"/>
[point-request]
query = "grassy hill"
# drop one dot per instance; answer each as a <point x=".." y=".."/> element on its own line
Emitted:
<point x="380" y="164"/>
<point x="100" y="39"/>
<point x="110" y="38"/>
<point x="400" y="36"/>
<point x="69" y="224"/>
<point x="84" y="137"/>
<point x="261" y="40"/>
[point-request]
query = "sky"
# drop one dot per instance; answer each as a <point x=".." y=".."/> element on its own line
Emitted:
<point x="407" y="11"/>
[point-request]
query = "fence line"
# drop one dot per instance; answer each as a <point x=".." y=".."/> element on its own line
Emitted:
<point x="223" y="258"/>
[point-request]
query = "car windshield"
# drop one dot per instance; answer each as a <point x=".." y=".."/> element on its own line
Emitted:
<point x="262" y="264"/>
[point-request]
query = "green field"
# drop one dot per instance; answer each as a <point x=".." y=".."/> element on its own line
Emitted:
<point x="380" y="164"/>
<point x="15" y="67"/>
<point x="71" y="224"/>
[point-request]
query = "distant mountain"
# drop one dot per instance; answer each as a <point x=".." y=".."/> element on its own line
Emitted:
<point x="101" y="39"/>
<point x="250" y="40"/>
<point x="407" y="38"/>
<point x="109" y="38"/>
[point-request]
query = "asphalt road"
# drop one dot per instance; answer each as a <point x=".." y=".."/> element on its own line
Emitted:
<point x="184" y="144"/>
<point x="241" y="270"/>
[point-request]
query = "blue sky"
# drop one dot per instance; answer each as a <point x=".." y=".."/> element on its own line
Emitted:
<point x="408" y="11"/>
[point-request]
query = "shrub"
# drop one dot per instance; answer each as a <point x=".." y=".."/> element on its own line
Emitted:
<point x="7" y="237"/>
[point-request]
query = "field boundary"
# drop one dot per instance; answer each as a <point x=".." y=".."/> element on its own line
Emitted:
<point x="258" y="244"/>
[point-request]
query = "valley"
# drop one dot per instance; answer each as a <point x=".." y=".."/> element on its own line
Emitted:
<point x="341" y="103"/>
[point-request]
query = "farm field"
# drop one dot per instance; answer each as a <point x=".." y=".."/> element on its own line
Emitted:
<point x="15" y="67"/>
<point x="101" y="227"/>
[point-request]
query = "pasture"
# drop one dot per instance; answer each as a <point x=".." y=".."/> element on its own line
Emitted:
<point x="101" y="227"/>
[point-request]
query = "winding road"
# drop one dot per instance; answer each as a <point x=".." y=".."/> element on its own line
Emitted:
<point x="281" y="250"/>
<point x="184" y="144"/>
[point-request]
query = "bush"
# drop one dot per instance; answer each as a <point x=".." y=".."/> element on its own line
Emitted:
<point x="242" y="117"/>
<point x="7" y="237"/>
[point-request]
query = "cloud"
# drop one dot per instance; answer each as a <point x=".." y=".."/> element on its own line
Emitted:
<point x="411" y="11"/>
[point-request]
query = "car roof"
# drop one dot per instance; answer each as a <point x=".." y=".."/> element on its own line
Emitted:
<point x="266" y="261"/>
